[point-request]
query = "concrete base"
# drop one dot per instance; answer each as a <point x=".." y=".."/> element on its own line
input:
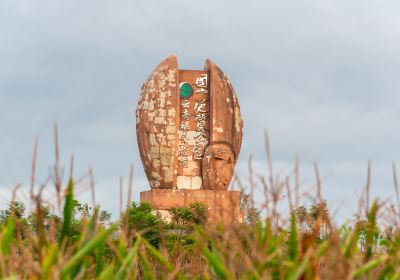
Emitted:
<point x="223" y="206"/>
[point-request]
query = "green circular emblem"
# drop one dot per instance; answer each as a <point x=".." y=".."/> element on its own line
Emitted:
<point x="186" y="90"/>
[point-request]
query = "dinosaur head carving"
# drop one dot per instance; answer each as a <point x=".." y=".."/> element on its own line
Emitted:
<point x="218" y="164"/>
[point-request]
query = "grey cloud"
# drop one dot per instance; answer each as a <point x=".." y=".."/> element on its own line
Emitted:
<point x="321" y="76"/>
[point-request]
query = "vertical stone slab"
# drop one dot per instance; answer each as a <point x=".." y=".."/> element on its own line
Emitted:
<point x="226" y="123"/>
<point x="156" y="117"/>
<point x="194" y="128"/>
<point x="225" y="131"/>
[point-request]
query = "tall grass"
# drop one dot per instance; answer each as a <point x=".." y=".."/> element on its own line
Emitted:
<point x="71" y="240"/>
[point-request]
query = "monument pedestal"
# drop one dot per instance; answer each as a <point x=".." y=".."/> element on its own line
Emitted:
<point x="223" y="206"/>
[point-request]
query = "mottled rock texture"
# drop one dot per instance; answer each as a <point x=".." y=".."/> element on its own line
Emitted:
<point x="158" y="121"/>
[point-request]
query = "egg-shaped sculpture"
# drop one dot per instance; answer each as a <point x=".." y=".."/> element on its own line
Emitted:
<point x="189" y="127"/>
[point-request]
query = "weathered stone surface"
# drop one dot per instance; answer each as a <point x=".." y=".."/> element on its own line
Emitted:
<point x="156" y="115"/>
<point x="223" y="206"/>
<point x="226" y="122"/>
<point x="218" y="164"/>
<point x="189" y="127"/>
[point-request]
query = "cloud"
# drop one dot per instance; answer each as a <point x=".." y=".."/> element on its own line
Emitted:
<point x="322" y="77"/>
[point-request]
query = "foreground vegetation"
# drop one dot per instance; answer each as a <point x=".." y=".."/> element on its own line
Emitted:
<point x="67" y="239"/>
<point x="83" y="243"/>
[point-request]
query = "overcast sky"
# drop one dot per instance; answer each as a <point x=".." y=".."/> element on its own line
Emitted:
<point x="321" y="76"/>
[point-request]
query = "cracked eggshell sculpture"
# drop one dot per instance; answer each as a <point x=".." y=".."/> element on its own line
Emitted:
<point x="189" y="127"/>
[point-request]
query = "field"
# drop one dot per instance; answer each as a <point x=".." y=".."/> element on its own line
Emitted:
<point x="66" y="239"/>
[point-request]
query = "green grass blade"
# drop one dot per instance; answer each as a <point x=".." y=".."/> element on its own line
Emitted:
<point x="129" y="260"/>
<point x="323" y="248"/>
<point x="7" y="236"/>
<point x="367" y="267"/>
<point x="160" y="258"/>
<point x="214" y="260"/>
<point x="371" y="230"/>
<point x="300" y="268"/>
<point x="99" y="255"/>
<point x="158" y="255"/>
<point x="351" y="243"/>
<point x="93" y="220"/>
<point x="293" y="249"/>
<point x="388" y="272"/>
<point x="261" y="236"/>
<point x="269" y="237"/>
<point x="87" y="249"/>
<point x="49" y="260"/>
<point x="147" y="272"/>
<point x="68" y="210"/>
<point x="13" y="277"/>
<point x="107" y="274"/>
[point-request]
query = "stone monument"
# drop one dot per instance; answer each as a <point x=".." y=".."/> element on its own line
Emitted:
<point x="189" y="132"/>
